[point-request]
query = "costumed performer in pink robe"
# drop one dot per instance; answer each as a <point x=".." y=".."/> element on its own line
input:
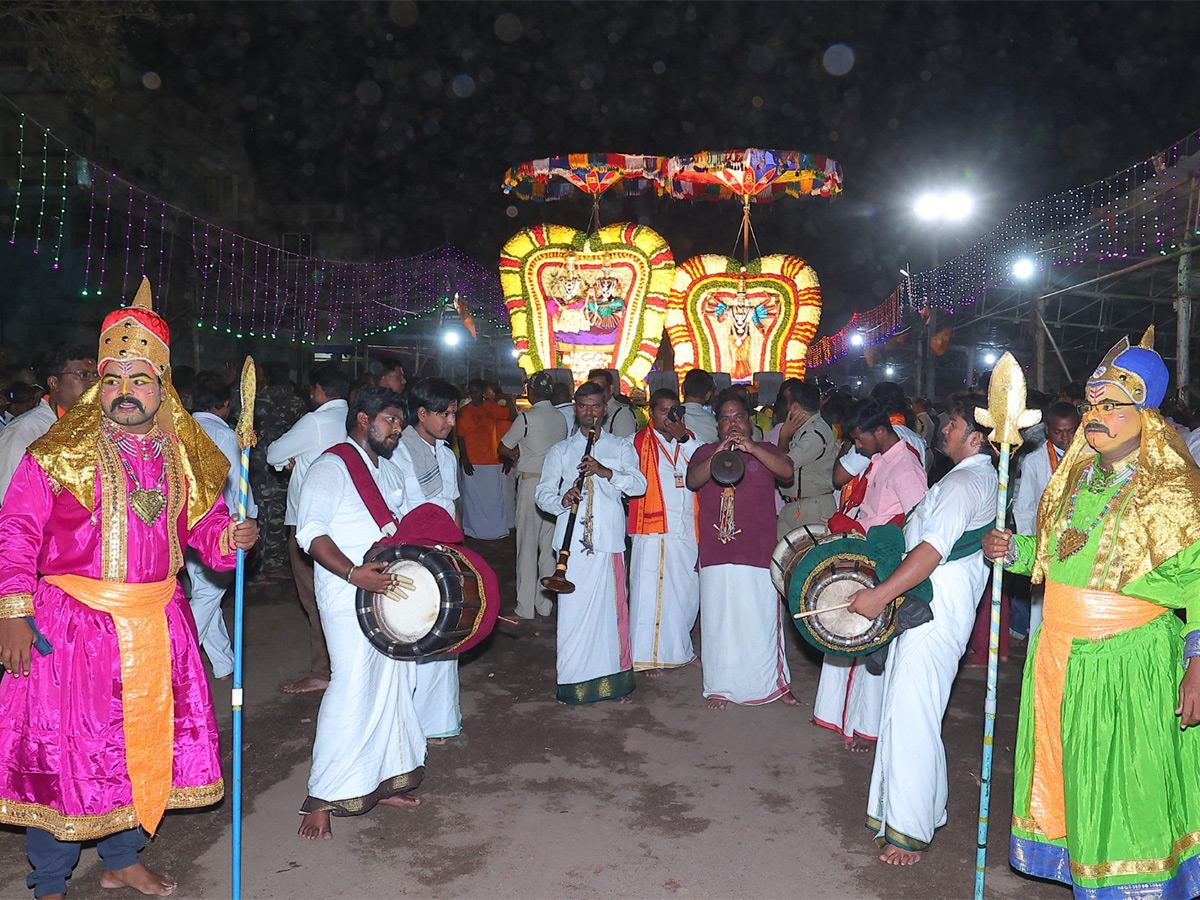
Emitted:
<point x="112" y="723"/>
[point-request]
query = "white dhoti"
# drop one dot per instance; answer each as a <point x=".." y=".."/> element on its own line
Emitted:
<point x="483" y="512"/>
<point x="741" y="629"/>
<point x="369" y="743"/>
<point x="849" y="698"/>
<point x="664" y="599"/>
<point x="907" y="800"/>
<point x="435" y="697"/>
<point x="594" y="658"/>
<point x="535" y="556"/>
<point x="208" y="590"/>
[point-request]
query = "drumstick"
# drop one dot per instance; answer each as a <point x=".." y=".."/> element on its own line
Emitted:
<point x="813" y="612"/>
<point x="508" y="620"/>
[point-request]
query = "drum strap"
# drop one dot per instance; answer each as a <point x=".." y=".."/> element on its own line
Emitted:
<point x="366" y="487"/>
<point x="970" y="542"/>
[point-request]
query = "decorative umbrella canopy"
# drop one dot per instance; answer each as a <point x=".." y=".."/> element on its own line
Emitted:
<point x="760" y="176"/>
<point x="589" y="173"/>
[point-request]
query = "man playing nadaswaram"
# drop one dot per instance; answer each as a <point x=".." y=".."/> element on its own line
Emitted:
<point x="115" y="724"/>
<point x="1107" y="787"/>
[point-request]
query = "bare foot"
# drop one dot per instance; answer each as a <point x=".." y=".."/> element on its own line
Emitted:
<point x="695" y="661"/>
<point x="859" y="745"/>
<point x="53" y="897"/>
<point x="437" y="742"/>
<point x="306" y="685"/>
<point x="898" y="856"/>
<point x="139" y="878"/>
<point x="228" y="677"/>
<point x="716" y="703"/>
<point x="789" y="699"/>
<point x="652" y="673"/>
<point x="315" y="826"/>
<point x="400" y="800"/>
<point x="624" y="699"/>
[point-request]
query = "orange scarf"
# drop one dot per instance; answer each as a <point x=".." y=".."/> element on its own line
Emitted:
<point x="146" y="698"/>
<point x="1053" y="456"/>
<point x="648" y="513"/>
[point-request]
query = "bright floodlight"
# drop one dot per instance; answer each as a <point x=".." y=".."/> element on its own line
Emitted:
<point x="1023" y="269"/>
<point x="952" y="207"/>
<point x="515" y="352"/>
<point x="989" y="358"/>
<point x="957" y="206"/>
<point x="451" y="338"/>
<point x="856" y="340"/>
<point x="929" y="206"/>
<point x="890" y="370"/>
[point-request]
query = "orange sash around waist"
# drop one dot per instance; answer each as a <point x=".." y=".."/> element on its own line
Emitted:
<point x="147" y="702"/>
<point x="1068" y="614"/>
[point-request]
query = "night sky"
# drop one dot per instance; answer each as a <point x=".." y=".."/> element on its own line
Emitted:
<point x="411" y="112"/>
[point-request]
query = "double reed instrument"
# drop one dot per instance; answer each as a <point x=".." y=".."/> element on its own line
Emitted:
<point x="558" y="581"/>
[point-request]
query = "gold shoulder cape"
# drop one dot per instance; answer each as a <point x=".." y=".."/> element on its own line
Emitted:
<point x="1161" y="517"/>
<point x="69" y="455"/>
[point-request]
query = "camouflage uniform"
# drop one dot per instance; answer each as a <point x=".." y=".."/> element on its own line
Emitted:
<point x="276" y="409"/>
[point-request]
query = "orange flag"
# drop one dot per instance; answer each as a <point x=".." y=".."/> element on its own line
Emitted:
<point x="940" y="341"/>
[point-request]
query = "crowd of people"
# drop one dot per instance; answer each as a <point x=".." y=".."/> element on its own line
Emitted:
<point x="138" y="463"/>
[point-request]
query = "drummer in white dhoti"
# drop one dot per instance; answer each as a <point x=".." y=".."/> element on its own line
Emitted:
<point x="664" y="585"/>
<point x="907" y="800"/>
<point x="595" y="661"/>
<point x="429" y="473"/>
<point x="849" y="698"/>
<point x="741" y="617"/>
<point x="369" y="746"/>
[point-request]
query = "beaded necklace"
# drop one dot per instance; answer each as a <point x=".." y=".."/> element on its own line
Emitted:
<point x="1073" y="539"/>
<point x="147" y="504"/>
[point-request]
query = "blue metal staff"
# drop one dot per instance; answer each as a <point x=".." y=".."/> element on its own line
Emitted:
<point x="246" y="439"/>
<point x="1006" y="415"/>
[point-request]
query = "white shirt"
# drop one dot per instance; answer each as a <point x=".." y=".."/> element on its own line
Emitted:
<point x="330" y="506"/>
<point x="855" y="463"/>
<point x="18" y="435"/>
<point x="1193" y="444"/>
<point x="559" y="472"/>
<point x="311" y="436"/>
<point x="226" y="440"/>
<point x="411" y="494"/>
<point x="679" y="502"/>
<point x="700" y="422"/>
<point x="1035" y="475"/>
<point x="535" y="431"/>
<point x="568" y="413"/>
<point x="965" y="499"/>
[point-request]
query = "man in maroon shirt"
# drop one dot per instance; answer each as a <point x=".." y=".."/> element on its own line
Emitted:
<point x="741" y="618"/>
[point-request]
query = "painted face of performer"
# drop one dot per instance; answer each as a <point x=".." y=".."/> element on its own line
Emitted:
<point x="1112" y="423"/>
<point x="130" y="394"/>
<point x="732" y="418"/>
<point x="383" y="434"/>
<point x="1060" y="430"/>
<point x="589" y="410"/>
<point x="437" y="425"/>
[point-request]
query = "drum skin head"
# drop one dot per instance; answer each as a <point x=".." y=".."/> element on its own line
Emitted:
<point x="791" y="549"/>
<point x="448" y="588"/>
<point x="409" y="620"/>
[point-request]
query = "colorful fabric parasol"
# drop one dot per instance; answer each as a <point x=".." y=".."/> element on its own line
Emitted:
<point x="758" y="176"/>
<point x="590" y="173"/>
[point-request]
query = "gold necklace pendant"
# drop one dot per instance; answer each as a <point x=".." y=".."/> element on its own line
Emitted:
<point x="1070" y="542"/>
<point x="147" y="505"/>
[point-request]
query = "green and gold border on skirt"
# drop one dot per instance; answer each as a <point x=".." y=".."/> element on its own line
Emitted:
<point x="607" y="687"/>
<point x="356" y="806"/>
<point x="896" y="838"/>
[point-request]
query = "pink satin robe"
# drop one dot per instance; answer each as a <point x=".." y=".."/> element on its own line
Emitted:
<point x="62" y="745"/>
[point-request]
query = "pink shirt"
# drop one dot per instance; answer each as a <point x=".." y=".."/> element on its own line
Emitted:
<point x="895" y="484"/>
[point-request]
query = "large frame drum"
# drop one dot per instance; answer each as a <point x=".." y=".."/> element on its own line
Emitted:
<point x="443" y="611"/>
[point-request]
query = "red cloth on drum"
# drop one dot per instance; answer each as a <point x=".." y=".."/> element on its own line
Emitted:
<point x="429" y="524"/>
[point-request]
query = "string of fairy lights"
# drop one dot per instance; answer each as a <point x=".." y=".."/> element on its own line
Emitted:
<point x="244" y="287"/>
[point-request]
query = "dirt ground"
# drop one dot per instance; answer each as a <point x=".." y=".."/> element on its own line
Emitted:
<point x="660" y="798"/>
